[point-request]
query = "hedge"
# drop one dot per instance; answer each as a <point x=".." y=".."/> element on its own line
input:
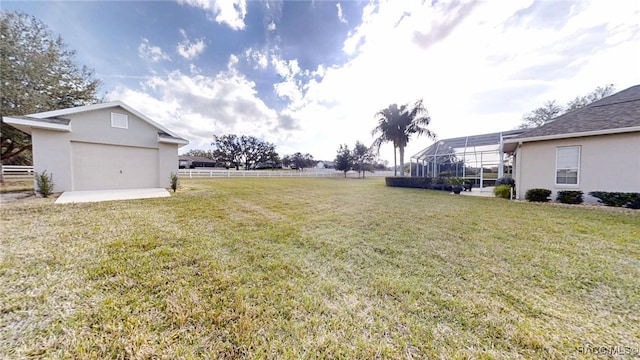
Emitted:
<point x="439" y="183"/>
<point x="619" y="199"/>
<point x="409" y="182"/>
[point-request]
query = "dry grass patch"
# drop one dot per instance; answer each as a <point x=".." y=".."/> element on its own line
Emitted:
<point x="315" y="268"/>
<point x="16" y="184"/>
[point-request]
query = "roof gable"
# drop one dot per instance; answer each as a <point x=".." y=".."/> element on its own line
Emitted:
<point x="113" y="104"/>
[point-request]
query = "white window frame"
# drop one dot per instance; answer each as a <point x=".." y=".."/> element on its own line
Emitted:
<point x="117" y="118"/>
<point x="555" y="175"/>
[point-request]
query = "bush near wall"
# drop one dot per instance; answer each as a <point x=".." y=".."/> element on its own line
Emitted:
<point x="502" y="191"/>
<point x="538" y="195"/>
<point x="569" y="197"/>
<point x="619" y="199"/>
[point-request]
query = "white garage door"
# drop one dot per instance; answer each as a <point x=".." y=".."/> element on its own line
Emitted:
<point x="99" y="166"/>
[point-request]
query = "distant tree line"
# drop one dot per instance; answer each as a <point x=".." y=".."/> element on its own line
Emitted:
<point x="250" y="152"/>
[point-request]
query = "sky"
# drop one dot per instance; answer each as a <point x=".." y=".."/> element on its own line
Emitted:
<point x="311" y="75"/>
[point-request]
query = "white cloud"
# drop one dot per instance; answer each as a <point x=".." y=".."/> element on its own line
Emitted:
<point x="477" y="66"/>
<point x="257" y="58"/>
<point x="197" y="106"/>
<point x="151" y="53"/>
<point x="285" y="68"/>
<point x="188" y="49"/>
<point x="271" y="26"/>
<point x="340" y="15"/>
<point x="230" y="12"/>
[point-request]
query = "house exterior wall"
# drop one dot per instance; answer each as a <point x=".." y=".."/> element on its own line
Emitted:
<point x="95" y="127"/>
<point x="52" y="150"/>
<point x="607" y="163"/>
<point x="168" y="158"/>
<point x="52" y="153"/>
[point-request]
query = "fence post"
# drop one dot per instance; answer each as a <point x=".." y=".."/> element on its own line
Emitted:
<point x="190" y="174"/>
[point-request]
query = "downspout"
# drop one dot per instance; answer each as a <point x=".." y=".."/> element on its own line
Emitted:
<point x="517" y="160"/>
<point x="501" y="165"/>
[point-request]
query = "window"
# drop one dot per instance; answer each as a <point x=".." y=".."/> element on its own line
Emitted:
<point x="567" y="165"/>
<point x="119" y="121"/>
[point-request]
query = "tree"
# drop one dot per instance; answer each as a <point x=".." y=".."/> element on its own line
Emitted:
<point x="200" y="153"/>
<point x="343" y="160"/>
<point x="301" y="161"/>
<point x="397" y="124"/>
<point x="254" y="150"/>
<point x="550" y="110"/>
<point x="541" y="115"/>
<point x="362" y="158"/>
<point x="38" y="73"/>
<point x="227" y="148"/>
<point x="286" y="160"/>
<point x="597" y="94"/>
<point x="386" y="128"/>
<point x="247" y="150"/>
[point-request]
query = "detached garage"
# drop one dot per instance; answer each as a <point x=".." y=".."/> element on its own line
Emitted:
<point x="101" y="146"/>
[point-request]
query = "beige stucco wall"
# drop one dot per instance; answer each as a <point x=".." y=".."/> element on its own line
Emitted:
<point x="52" y="149"/>
<point x="607" y="163"/>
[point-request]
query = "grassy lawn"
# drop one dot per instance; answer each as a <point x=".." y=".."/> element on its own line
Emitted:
<point x="16" y="184"/>
<point x="315" y="268"/>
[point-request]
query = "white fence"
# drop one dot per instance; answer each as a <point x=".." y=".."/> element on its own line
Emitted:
<point x="9" y="170"/>
<point x="14" y="170"/>
<point x="203" y="173"/>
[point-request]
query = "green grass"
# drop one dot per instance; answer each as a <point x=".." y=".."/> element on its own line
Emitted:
<point x="315" y="268"/>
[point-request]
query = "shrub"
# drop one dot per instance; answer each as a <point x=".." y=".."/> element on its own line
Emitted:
<point x="502" y="191"/>
<point x="455" y="181"/>
<point x="409" y="182"/>
<point x="634" y="201"/>
<point x="538" y="195"/>
<point x="174" y="181"/>
<point x="630" y="200"/>
<point x="44" y="184"/>
<point x="506" y="181"/>
<point x="569" y="197"/>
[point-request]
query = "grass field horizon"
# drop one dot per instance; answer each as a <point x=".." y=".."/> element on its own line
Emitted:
<point x="316" y="268"/>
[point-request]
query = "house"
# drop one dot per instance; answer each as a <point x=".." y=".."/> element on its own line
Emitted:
<point x="325" y="165"/>
<point x="102" y="146"/>
<point x="594" y="148"/>
<point x="193" y="162"/>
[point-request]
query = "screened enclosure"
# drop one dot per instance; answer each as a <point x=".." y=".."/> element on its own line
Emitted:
<point x="477" y="158"/>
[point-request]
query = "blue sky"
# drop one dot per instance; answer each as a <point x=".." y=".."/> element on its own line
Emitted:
<point x="310" y="75"/>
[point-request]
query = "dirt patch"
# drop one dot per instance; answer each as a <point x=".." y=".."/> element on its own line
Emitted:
<point x="23" y="197"/>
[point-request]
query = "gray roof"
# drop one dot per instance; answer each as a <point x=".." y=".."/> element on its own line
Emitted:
<point x="448" y="146"/>
<point x="52" y="120"/>
<point x="618" y="111"/>
<point x="164" y="135"/>
<point x="195" y="158"/>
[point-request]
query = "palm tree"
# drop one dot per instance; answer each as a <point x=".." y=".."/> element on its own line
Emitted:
<point x="397" y="124"/>
<point x="387" y="119"/>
